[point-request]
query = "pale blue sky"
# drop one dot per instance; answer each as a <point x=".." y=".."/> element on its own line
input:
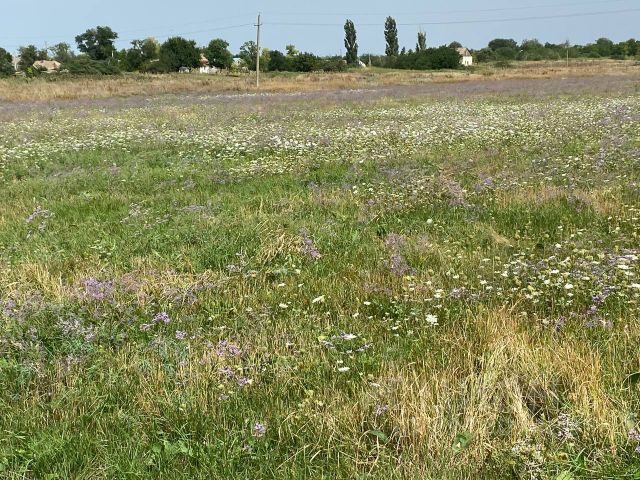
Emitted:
<point x="319" y="24"/>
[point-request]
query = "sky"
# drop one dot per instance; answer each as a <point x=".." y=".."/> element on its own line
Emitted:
<point x="318" y="26"/>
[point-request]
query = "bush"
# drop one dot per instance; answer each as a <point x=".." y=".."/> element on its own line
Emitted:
<point x="153" y="67"/>
<point x="83" y="65"/>
<point x="306" y="62"/>
<point x="503" y="64"/>
<point x="278" y="62"/>
<point x="430" y="59"/>
<point x="334" y="64"/>
<point x="6" y="69"/>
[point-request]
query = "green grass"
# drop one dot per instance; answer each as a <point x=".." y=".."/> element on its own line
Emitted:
<point x="302" y="285"/>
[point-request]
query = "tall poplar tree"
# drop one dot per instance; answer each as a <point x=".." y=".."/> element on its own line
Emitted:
<point x="350" y="42"/>
<point x="422" y="42"/>
<point x="391" y="37"/>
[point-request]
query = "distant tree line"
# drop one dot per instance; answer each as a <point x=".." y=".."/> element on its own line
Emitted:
<point x="505" y="49"/>
<point x="97" y="54"/>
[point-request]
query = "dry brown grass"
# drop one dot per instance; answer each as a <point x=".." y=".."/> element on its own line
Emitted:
<point x="504" y="385"/>
<point x="46" y="89"/>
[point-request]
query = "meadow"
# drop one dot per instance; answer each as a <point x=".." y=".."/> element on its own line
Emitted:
<point x="437" y="283"/>
<point x="73" y="87"/>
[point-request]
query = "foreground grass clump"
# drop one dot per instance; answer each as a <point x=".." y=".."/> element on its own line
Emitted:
<point x="299" y="289"/>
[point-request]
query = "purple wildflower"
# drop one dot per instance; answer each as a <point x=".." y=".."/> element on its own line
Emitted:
<point x="39" y="212"/>
<point x="380" y="409"/>
<point x="397" y="263"/>
<point x="180" y="335"/>
<point x="225" y="349"/>
<point x="244" y="381"/>
<point x="162" y="317"/>
<point x="97" y="290"/>
<point x="395" y="241"/>
<point x="9" y="308"/>
<point x="399" y="266"/>
<point x="309" y="248"/>
<point x="259" y="430"/>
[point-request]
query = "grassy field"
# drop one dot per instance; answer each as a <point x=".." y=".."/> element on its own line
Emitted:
<point x="391" y="284"/>
<point x="63" y="87"/>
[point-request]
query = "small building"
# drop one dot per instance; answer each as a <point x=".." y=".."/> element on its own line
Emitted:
<point x="184" y="70"/>
<point x="205" y="67"/>
<point x="239" y="65"/>
<point x="467" y="58"/>
<point x="47" y="66"/>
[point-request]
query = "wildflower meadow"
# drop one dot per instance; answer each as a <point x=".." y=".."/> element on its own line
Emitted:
<point x="337" y="285"/>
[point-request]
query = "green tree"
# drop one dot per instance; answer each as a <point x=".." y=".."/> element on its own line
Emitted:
<point x="445" y="57"/>
<point x="455" y="45"/>
<point x="150" y="49"/>
<point x="248" y="52"/>
<point x="391" y="37"/>
<point x="505" y="53"/>
<point x="97" y="43"/>
<point x="279" y="62"/>
<point x="141" y="52"/>
<point x="532" y="50"/>
<point x="61" y="52"/>
<point x="133" y="58"/>
<point x="179" y="52"/>
<point x="29" y="55"/>
<point x="351" y="43"/>
<point x="6" y="63"/>
<point x="5" y="56"/>
<point x="632" y="47"/>
<point x="218" y="54"/>
<point x="497" y="43"/>
<point x="292" y="51"/>
<point x="604" y="47"/>
<point x="306" y="62"/>
<point x="422" y="42"/>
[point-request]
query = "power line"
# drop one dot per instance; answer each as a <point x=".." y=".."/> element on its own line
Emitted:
<point x="180" y="34"/>
<point x="147" y="29"/>
<point x="201" y="22"/>
<point x="461" y="22"/>
<point x="436" y="12"/>
<point x="447" y="12"/>
<point x="208" y="30"/>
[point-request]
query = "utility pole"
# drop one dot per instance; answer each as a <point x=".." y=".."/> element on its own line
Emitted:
<point x="258" y="25"/>
<point x="567" y="52"/>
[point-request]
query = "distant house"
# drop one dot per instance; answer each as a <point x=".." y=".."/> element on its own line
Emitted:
<point x="239" y="65"/>
<point x="184" y="70"/>
<point x="47" y="66"/>
<point x="208" y="69"/>
<point x="467" y="58"/>
<point x="205" y="67"/>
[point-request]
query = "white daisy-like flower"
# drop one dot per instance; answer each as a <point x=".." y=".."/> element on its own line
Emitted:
<point x="432" y="320"/>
